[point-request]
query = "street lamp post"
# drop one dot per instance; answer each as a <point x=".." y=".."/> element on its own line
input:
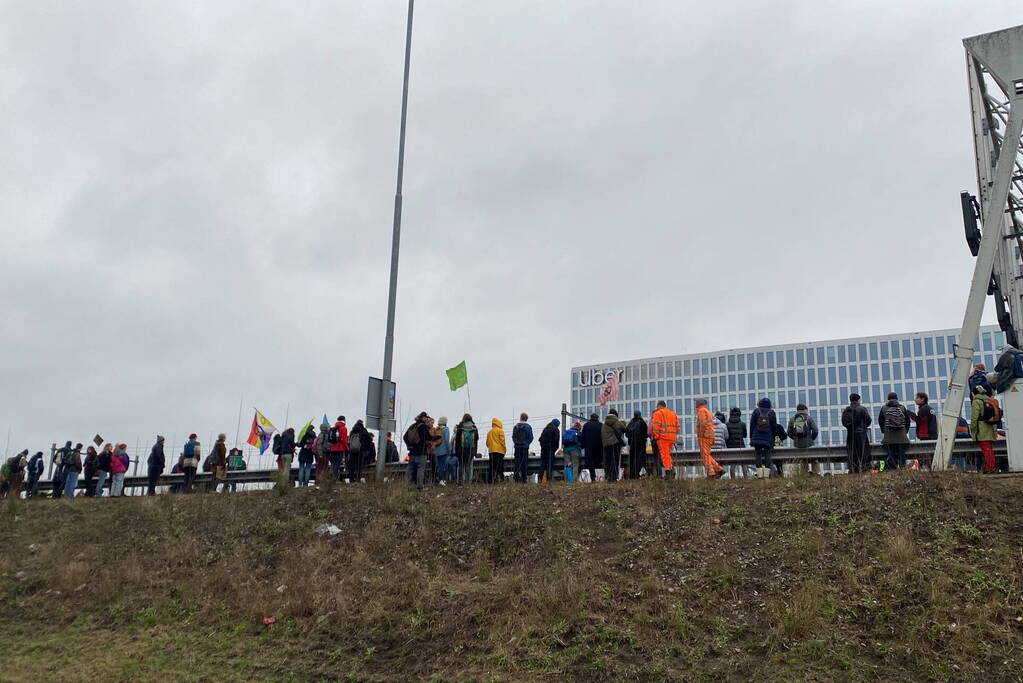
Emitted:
<point x="395" y="240"/>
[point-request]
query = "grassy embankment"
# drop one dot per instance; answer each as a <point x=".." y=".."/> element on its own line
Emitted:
<point x="888" y="577"/>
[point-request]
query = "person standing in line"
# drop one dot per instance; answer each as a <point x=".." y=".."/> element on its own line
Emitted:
<point x="636" y="433"/>
<point x="219" y="469"/>
<point x="369" y="450"/>
<point x="192" y="454"/>
<point x="665" y="429"/>
<point x="357" y="440"/>
<point x="497" y="448"/>
<point x="572" y="452"/>
<point x="736" y="439"/>
<point x="522" y="436"/>
<point x="720" y="431"/>
<point x="235" y="463"/>
<point x="466" y="443"/>
<point x="155" y="465"/>
<point x="925" y="418"/>
<point x="321" y="448"/>
<point x="550" y="442"/>
<point x="612" y="439"/>
<point x="392" y="449"/>
<point x="763" y="425"/>
<point x="61" y="459"/>
<point x="705" y="439"/>
<point x="118" y="468"/>
<point x="34" y="471"/>
<point x="338" y="447"/>
<point x="103" y="467"/>
<point x="893" y="419"/>
<point x="286" y="455"/>
<point x="983" y="432"/>
<point x="12" y="475"/>
<point x="72" y="470"/>
<point x="306" y="456"/>
<point x="802" y="428"/>
<point x="418" y="439"/>
<point x="89" y="472"/>
<point x="857" y="421"/>
<point x="443" y="451"/>
<point x="593" y="445"/>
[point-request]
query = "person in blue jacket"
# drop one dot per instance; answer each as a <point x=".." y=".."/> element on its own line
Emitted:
<point x="522" y="436"/>
<point x="763" y="425"/>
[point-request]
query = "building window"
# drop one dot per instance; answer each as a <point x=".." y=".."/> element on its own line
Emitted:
<point x="678" y="368"/>
<point x="897" y="370"/>
<point x="873" y="350"/>
<point x="704" y="366"/>
<point x="801" y="378"/>
<point x="820" y="355"/>
<point x="863" y="352"/>
<point x="791" y="377"/>
<point x="688" y="368"/>
<point x="929" y="346"/>
<point x="706" y="386"/>
<point x="886" y="372"/>
<point x="742" y="382"/>
<point x="660" y="371"/>
<point x="841" y="353"/>
<point x="999" y="340"/>
<point x="884" y="350"/>
<point x="770" y="360"/>
<point x="930" y="367"/>
<point x="918" y="347"/>
<point x="731" y="364"/>
<point x="852" y="353"/>
<point x="790" y="358"/>
<point x="942" y="367"/>
<point x="714" y="366"/>
<point x="853" y="376"/>
<point x="731" y="382"/>
<point x="742" y="361"/>
<point x="834" y="396"/>
<point x="874" y="374"/>
<point x="832" y="357"/>
<point x="832" y="375"/>
<point x="770" y="380"/>
<point x="781" y="379"/>
<point x="986" y="340"/>
<point x="714" y="385"/>
<point x="800" y="358"/>
<point x="642" y="371"/>
<point x="760" y="360"/>
<point x="919" y="368"/>
<point x="689" y="387"/>
<point x="843" y="374"/>
<point x="895" y="348"/>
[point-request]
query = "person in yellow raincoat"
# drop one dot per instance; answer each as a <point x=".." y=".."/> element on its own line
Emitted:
<point x="705" y="438"/>
<point x="664" y="431"/>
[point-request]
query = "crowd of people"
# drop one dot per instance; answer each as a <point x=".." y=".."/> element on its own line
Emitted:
<point x="442" y="455"/>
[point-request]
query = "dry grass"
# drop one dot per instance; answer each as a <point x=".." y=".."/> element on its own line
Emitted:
<point x="639" y="581"/>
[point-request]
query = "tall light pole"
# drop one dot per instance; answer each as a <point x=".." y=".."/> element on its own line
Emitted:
<point x="395" y="240"/>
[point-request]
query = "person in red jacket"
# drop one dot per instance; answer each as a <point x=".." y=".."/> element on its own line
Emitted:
<point x="338" y="438"/>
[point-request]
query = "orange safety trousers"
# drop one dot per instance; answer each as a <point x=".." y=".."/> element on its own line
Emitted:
<point x="708" y="462"/>
<point x="664" y="451"/>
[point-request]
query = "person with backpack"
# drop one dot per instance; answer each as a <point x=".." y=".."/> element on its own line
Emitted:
<point x="358" y="440"/>
<point x="550" y="442"/>
<point x="12" y="475"/>
<point x="447" y="461"/>
<point x="612" y="439"/>
<point x="665" y="429"/>
<point x="984" y="418"/>
<point x="736" y="439"/>
<point x="705" y="439"/>
<point x="155" y="466"/>
<point x="306" y="457"/>
<point x="802" y="428"/>
<point x="466" y="443"/>
<point x="763" y="424"/>
<point x="925" y="418"/>
<point x="338" y="437"/>
<point x="61" y="458"/>
<point x="893" y="419"/>
<point x="856" y="420"/>
<point x="636" y="434"/>
<point x="118" y="470"/>
<point x="33" y="471"/>
<point x="418" y="438"/>
<point x="593" y="445"/>
<point x="571" y="442"/>
<point x="219" y="463"/>
<point x="103" y="467"/>
<point x="522" y="436"/>
<point x="72" y="470"/>
<point x="321" y="450"/>
<point x="497" y="448"/>
<point x="978" y="378"/>
<point x="192" y="453"/>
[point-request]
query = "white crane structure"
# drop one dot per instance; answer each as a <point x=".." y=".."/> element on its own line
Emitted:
<point x="994" y="64"/>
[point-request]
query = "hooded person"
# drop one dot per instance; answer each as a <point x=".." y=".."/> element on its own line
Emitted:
<point x="497" y="448"/>
<point x="720" y="431"/>
<point x="593" y="445"/>
<point x="612" y="439"/>
<point x="338" y="438"/>
<point x="856" y="420"/>
<point x="33" y="472"/>
<point x="982" y="430"/>
<point x="358" y="440"/>
<point x="72" y="470"/>
<point x="219" y="454"/>
<point x="664" y="432"/>
<point x="763" y="425"/>
<point x="447" y="462"/>
<point x="12" y="475"/>
<point x="736" y="439"/>
<point x="306" y="456"/>
<point x="321" y="453"/>
<point x="705" y="439"/>
<point x="155" y="465"/>
<point x="893" y="419"/>
<point x="466" y="443"/>
<point x="61" y="459"/>
<point x="571" y="443"/>
<point x="550" y="442"/>
<point x="636" y="434"/>
<point x="89" y="471"/>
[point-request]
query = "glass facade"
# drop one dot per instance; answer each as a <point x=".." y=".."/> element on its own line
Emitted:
<point x="819" y="374"/>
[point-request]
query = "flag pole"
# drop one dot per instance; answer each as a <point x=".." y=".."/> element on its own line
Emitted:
<point x="238" y="429"/>
<point x="468" y="396"/>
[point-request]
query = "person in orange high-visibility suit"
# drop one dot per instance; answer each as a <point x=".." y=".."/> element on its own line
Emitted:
<point x="664" y="431"/>
<point x="705" y="438"/>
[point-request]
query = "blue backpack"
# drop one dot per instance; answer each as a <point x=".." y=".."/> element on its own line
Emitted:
<point x="571" y="438"/>
<point x="190" y="449"/>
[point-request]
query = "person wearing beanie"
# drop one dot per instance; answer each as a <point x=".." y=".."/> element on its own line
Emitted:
<point x="191" y="457"/>
<point x="572" y="447"/>
<point x="982" y="430"/>
<point x="636" y="434"/>
<point x="857" y="421"/>
<point x="611" y="436"/>
<point x="550" y="441"/>
<point x="893" y="419"/>
<point x="466" y="443"/>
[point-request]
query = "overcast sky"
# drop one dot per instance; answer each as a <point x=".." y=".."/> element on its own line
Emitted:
<point x="196" y="197"/>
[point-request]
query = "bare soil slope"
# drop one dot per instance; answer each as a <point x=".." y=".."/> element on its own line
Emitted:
<point x="887" y="577"/>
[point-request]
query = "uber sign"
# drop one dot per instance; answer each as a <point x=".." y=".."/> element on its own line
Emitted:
<point x="596" y="378"/>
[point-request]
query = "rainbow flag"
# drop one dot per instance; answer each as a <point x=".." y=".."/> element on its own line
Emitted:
<point x="262" y="430"/>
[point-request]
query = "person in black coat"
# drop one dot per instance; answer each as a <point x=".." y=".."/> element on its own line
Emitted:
<point x="550" y="441"/>
<point x="357" y="440"/>
<point x="636" y="433"/>
<point x="593" y="445"/>
<point x="32" y="473"/>
<point x="156" y="464"/>
<point x="857" y="421"/>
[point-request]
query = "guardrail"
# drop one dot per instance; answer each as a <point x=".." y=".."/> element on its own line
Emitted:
<point x="919" y="450"/>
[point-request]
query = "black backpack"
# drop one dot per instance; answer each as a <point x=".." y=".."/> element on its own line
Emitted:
<point x="334" y="435"/>
<point x="894" y="418"/>
<point x="276" y="447"/>
<point x="411" y="437"/>
<point x="764" y="422"/>
<point x="519" y="434"/>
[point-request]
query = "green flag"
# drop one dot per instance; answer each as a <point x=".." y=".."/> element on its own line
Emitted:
<point x="305" y="430"/>
<point x="458" y="377"/>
